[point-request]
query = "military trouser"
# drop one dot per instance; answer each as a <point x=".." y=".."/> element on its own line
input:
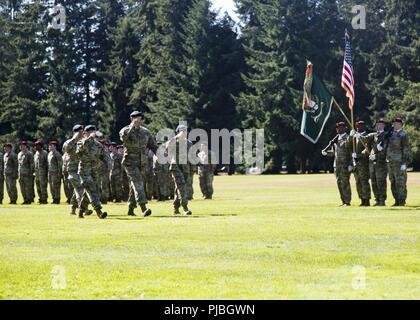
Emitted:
<point x="116" y="187"/>
<point x="206" y="183"/>
<point x="137" y="193"/>
<point x="68" y="187"/>
<point x="180" y="178"/>
<point x="189" y="186"/>
<point x="125" y="190"/>
<point x="150" y="185"/>
<point x="41" y="181"/>
<point x="104" y="186"/>
<point x="90" y="185"/>
<point x="398" y="180"/>
<point x="342" y="175"/>
<point x="55" y="186"/>
<point x="378" y="174"/>
<point x="25" y="183"/>
<point x="162" y="184"/>
<point x="11" y="188"/>
<point x="361" y="174"/>
<point x="1" y="189"/>
<point x="32" y="188"/>
<point x="78" y="200"/>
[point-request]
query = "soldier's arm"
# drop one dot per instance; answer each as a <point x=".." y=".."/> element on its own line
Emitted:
<point x="151" y="144"/>
<point x="406" y="151"/>
<point x="70" y="146"/>
<point x="126" y="133"/>
<point x="59" y="162"/>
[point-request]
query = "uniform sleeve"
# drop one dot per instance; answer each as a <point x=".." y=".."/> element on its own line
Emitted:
<point x="406" y="151"/>
<point x="126" y="134"/>
<point x="151" y="144"/>
<point x="32" y="163"/>
<point x="59" y="162"/>
<point x="70" y="146"/>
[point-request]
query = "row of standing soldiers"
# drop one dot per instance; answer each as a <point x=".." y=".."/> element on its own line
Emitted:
<point x="371" y="157"/>
<point x="110" y="176"/>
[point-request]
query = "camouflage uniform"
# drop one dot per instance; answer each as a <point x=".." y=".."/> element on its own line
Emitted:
<point x="190" y="182"/>
<point x="161" y="172"/>
<point x="77" y="199"/>
<point x="206" y="173"/>
<point x="1" y="178"/>
<point x="103" y="175"/>
<point x="68" y="188"/>
<point x="136" y="140"/>
<point x="397" y="154"/>
<point x="378" y="167"/>
<point x="150" y="176"/>
<point x="90" y="152"/>
<point x="41" y="175"/>
<point x="55" y="166"/>
<point x="26" y="173"/>
<point x="116" y="177"/>
<point x="125" y="190"/>
<point x="11" y="174"/>
<point x="342" y="160"/>
<point x="361" y="170"/>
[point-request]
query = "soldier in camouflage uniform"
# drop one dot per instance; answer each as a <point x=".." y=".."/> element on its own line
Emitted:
<point x="398" y="155"/>
<point x="125" y="190"/>
<point x="41" y="172"/>
<point x="89" y="152"/>
<point x="340" y="149"/>
<point x="180" y="168"/>
<point x="103" y="173"/>
<point x="25" y="172"/>
<point x="150" y="176"/>
<point x="1" y="177"/>
<point x="377" y="163"/>
<point x="162" y="174"/>
<point x="68" y="188"/>
<point x="136" y="139"/>
<point x="55" y="166"/>
<point x="77" y="200"/>
<point x="115" y="175"/>
<point x="361" y="158"/>
<point x="206" y="171"/>
<point x="10" y="172"/>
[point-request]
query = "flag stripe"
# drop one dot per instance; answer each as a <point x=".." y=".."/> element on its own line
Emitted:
<point x="347" y="78"/>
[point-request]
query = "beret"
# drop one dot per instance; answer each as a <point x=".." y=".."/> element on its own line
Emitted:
<point x="340" y="124"/>
<point x="399" y="120"/>
<point x="39" y="143"/>
<point x="90" y="128"/>
<point x="360" y="123"/>
<point x="77" y="128"/>
<point x="181" y="127"/>
<point x="114" y="144"/>
<point x="136" y="114"/>
<point x="8" y="145"/>
<point x="380" y="121"/>
<point x="54" y="142"/>
<point x="24" y="142"/>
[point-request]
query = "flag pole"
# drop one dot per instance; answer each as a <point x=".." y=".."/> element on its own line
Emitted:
<point x="342" y="112"/>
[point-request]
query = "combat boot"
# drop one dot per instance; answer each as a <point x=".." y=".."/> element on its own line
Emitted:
<point x="73" y="211"/>
<point x="146" y="212"/>
<point x="80" y="215"/>
<point x="87" y="212"/>
<point x="402" y="203"/>
<point x="187" y="211"/>
<point x="131" y="212"/>
<point x="397" y="203"/>
<point x="100" y="214"/>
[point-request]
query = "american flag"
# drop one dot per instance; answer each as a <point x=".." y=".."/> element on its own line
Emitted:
<point x="347" y="80"/>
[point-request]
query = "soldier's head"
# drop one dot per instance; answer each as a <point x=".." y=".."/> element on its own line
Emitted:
<point x="397" y="123"/>
<point x="8" y="147"/>
<point x="38" y="145"/>
<point x="23" y="146"/>
<point x="361" y="126"/>
<point x="90" y="130"/>
<point x="136" y="118"/>
<point x="120" y="149"/>
<point x="182" y="131"/>
<point x="113" y="147"/>
<point x="52" y="145"/>
<point x="380" y="125"/>
<point x="78" y="131"/>
<point x="340" y="127"/>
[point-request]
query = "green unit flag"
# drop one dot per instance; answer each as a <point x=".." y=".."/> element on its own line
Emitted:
<point x="317" y="104"/>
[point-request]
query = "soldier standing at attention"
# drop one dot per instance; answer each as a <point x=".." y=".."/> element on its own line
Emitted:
<point x="25" y="172"/>
<point x="41" y="172"/>
<point x="10" y="172"/>
<point x="115" y="175"/>
<point x="55" y="166"/>
<point x="361" y="158"/>
<point x="1" y="177"/>
<point x="89" y="152"/>
<point x="340" y="149"/>
<point x="377" y="163"/>
<point x="206" y="171"/>
<point x="180" y="169"/>
<point x="136" y="139"/>
<point x="398" y="156"/>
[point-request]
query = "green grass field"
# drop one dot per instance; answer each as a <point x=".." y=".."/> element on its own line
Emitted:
<point x="263" y="237"/>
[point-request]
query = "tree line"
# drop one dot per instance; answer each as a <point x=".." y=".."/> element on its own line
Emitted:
<point x="180" y="60"/>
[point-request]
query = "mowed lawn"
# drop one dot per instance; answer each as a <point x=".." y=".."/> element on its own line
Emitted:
<point x="262" y="237"/>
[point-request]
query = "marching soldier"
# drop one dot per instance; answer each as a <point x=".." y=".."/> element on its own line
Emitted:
<point x="161" y="172"/>
<point x="136" y="139"/>
<point x="55" y="166"/>
<point x="10" y="172"/>
<point x="25" y="172"/>
<point x="125" y="190"/>
<point x="340" y="149"/>
<point x="41" y="172"/>
<point x="68" y="189"/>
<point x="103" y="173"/>
<point x="361" y="159"/>
<point x="1" y="177"/>
<point x="377" y="163"/>
<point x="89" y="151"/>
<point x="150" y="176"/>
<point x="180" y="168"/>
<point x="206" y="171"/>
<point x="115" y="175"/>
<point x="398" y="156"/>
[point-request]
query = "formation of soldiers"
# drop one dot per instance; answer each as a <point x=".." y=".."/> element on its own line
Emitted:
<point x="94" y="171"/>
<point x="371" y="157"/>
